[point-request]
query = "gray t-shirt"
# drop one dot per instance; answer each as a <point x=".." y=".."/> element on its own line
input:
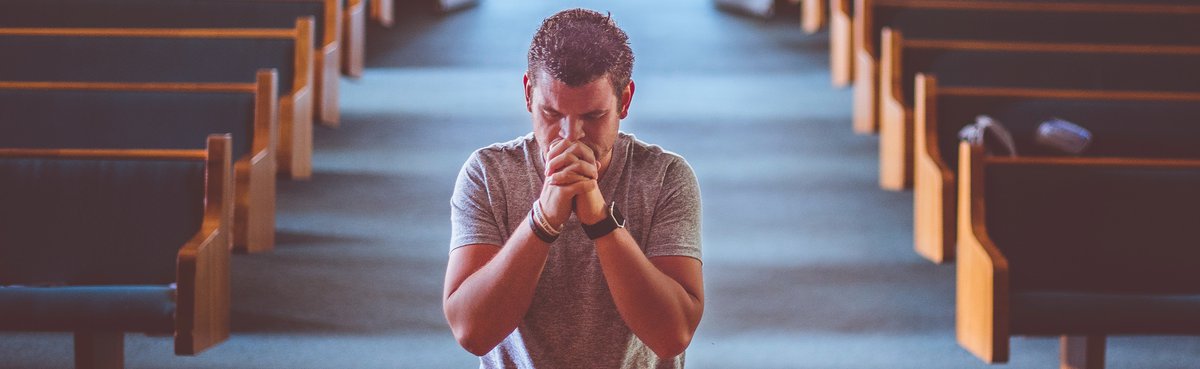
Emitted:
<point x="573" y="322"/>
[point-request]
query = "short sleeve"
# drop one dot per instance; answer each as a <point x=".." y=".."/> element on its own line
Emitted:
<point x="472" y="220"/>
<point x="675" y="225"/>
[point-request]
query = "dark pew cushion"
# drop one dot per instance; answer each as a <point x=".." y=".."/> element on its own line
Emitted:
<point x="91" y="119"/>
<point x="1101" y="230"/>
<point x="101" y="308"/>
<point x="93" y="222"/>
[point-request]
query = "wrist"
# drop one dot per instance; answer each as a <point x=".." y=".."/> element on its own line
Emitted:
<point x="595" y="210"/>
<point x="612" y="220"/>
<point x="541" y="226"/>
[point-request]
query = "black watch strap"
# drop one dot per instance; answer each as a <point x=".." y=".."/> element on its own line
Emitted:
<point x="610" y="223"/>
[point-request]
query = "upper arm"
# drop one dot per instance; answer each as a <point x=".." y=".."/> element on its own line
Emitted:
<point x="687" y="271"/>
<point x="675" y="221"/>
<point x="465" y="261"/>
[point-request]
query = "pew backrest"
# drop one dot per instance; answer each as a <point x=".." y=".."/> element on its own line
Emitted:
<point x="158" y="55"/>
<point x="174" y="14"/>
<point x="89" y="115"/>
<point x="1161" y="124"/>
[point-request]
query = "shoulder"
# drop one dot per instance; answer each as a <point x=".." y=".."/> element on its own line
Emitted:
<point x="501" y="155"/>
<point x="651" y="158"/>
<point x="511" y="150"/>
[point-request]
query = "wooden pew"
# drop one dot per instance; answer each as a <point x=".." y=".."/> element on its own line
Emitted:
<point x="90" y="115"/>
<point x="179" y="56"/>
<point x="1012" y="64"/>
<point x="77" y="231"/>
<point x="814" y="15"/>
<point x="1081" y="248"/>
<point x="384" y="12"/>
<point x="1093" y="21"/>
<point x="1125" y="123"/>
<point x="841" y="40"/>
<point x="355" y="37"/>
<point x="202" y="14"/>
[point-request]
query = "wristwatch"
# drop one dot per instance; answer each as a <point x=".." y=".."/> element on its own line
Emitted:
<point x="610" y="223"/>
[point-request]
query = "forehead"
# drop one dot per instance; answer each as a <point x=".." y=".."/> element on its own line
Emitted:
<point x="595" y="95"/>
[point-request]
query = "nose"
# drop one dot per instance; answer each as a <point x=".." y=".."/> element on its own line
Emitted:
<point x="571" y="129"/>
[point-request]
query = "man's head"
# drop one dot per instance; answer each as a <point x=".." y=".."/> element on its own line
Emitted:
<point x="578" y="85"/>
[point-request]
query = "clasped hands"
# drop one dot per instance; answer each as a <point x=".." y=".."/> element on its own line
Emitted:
<point x="572" y="183"/>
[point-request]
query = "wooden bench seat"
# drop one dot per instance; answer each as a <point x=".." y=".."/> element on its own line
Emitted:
<point x="179" y="56"/>
<point x="159" y="116"/>
<point x="1012" y="64"/>
<point x="101" y="242"/>
<point x="1076" y="247"/>
<point x="1124" y="123"/>
<point x="201" y="14"/>
<point x="1068" y="21"/>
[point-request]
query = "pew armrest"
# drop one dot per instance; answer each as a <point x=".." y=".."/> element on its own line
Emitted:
<point x="982" y="299"/>
<point x="202" y="312"/>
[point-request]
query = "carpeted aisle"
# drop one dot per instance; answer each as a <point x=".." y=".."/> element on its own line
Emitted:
<point x="808" y="264"/>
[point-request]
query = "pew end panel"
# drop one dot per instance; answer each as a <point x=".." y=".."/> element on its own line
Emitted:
<point x="895" y="128"/>
<point x="202" y="317"/>
<point x="934" y="201"/>
<point x="982" y="278"/>
<point x="298" y="111"/>
<point x="355" y="36"/>
<point x="841" y="50"/>
<point x="866" y="72"/>
<point x="295" y="135"/>
<point x="384" y="12"/>
<point x="327" y="64"/>
<point x="256" y="172"/>
<point x="324" y="66"/>
<point x="813" y="15"/>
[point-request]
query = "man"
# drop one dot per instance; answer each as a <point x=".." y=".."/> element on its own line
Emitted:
<point x="575" y="246"/>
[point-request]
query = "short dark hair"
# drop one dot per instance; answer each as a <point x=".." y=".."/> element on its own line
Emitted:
<point x="576" y="46"/>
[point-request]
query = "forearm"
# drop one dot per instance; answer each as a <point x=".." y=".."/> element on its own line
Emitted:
<point x="489" y="304"/>
<point x="657" y="308"/>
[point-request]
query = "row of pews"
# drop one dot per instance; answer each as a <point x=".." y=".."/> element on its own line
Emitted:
<point x="142" y="143"/>
<point x="1046" y="243"/>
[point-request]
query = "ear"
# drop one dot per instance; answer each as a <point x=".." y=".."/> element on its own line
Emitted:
<point x="528" y="93"/>
<point x="626" y="98"/>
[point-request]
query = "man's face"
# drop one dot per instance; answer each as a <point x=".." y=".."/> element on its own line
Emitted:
<point x="590" y="113"/>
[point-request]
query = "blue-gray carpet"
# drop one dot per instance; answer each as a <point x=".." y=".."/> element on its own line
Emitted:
<point x="808" y="263"/>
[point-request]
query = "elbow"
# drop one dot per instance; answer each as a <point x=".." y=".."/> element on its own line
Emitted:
<point x="472" y="342"/>
<point x="672" y="346"/>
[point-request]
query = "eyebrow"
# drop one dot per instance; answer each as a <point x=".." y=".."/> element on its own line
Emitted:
<point x="596" y="112"/>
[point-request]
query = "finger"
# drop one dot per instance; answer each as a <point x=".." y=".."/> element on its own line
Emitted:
<point x="566" y="178"/>
<point x="582" y="168"/>
<point x="578" y="188"/>
<point x="559" y="162"/>
<point x="556" y="148"/>
<point x="584" y="152"/>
